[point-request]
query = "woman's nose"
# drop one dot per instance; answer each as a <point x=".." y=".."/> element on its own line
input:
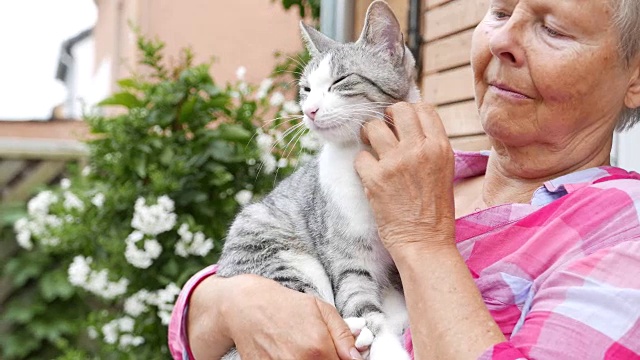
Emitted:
<point x="506" y="43"/>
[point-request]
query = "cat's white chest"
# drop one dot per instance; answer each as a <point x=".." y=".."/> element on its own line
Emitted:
<point x="339" y="179"/>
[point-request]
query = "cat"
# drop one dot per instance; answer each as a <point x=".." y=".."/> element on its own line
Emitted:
<point x="315" y="232"/>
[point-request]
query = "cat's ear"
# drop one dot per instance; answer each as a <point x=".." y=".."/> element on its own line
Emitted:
<point x="315" y="41"/>
<point x="381" y="29"/>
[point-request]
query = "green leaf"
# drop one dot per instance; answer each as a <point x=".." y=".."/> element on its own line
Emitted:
<point x="55" y="285"/>
<point x="22" y="312"/>
<point x="140" y="166"/>
<point x="125" y="99"/>
<point x="166" y="158"/>
<point x="233" y="132"/>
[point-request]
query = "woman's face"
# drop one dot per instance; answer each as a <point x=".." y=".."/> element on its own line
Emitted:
<point x="548" y="73"/>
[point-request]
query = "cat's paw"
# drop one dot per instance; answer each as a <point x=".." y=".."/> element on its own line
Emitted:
<point x="355" y="324"/>
<point x="364" y="339"/>
<point x="387" y="346"/>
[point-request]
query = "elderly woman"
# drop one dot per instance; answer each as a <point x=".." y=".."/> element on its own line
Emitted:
<point x="529" y="251"/>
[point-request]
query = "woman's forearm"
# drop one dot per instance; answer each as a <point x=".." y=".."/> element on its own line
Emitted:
<point x="206" y="331"/>
<point x="448" y="317"/>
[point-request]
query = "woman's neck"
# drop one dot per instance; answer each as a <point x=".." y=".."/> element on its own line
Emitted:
<point x="514" y="174"/>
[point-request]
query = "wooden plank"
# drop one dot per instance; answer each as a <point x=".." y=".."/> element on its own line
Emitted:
<point x="461" y="119"/>
<point x="9" y="169"/>
<point x="452" y="51"/>
<point x="471" y="143"/>
<point x="429" y="4"/>
<point x="20" y="148"/>
<point x="449" y="86"/>
<point x="40" y="175"/>
<point x="453" y="17"/>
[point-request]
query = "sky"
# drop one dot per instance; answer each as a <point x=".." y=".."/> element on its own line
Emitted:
<point x="31" y="32"/>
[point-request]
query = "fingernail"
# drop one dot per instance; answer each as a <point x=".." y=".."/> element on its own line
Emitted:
<point x="355" y="354"/>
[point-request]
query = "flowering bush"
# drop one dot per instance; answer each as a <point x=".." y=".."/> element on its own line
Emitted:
<point x="107" y="251"/>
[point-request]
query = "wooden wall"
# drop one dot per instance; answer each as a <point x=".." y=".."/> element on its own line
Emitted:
<point x="446" y="75"/>
<point x="447" y="80"/>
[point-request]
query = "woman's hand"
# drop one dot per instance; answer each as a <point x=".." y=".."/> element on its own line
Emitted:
<point x="265" y="320"/>
<point x="410" y="183"/>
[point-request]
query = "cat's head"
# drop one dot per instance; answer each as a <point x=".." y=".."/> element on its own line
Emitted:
<point x="345" y="85"/>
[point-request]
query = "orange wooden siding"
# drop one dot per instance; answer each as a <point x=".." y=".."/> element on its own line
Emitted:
<point x="447" y="79"/>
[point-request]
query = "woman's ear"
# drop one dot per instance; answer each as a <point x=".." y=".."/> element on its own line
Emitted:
<point x="632" y="99"/>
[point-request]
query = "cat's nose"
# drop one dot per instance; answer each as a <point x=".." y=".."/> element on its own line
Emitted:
<point x="311" y="112"/>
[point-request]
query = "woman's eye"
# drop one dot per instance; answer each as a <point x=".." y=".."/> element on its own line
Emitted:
<point x="552" y="32"/>
<point x="500" y="15"/>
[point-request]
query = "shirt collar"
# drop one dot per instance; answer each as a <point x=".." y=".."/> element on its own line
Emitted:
<point x="475" y="163"/>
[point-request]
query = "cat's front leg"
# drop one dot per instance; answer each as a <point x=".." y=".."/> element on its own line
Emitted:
<point x="358" y="295"/>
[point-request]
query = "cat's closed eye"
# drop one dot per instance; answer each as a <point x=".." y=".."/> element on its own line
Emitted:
<point x="339" y="80"/>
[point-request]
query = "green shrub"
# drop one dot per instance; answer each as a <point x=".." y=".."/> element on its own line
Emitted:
<point x="106" y="252"/>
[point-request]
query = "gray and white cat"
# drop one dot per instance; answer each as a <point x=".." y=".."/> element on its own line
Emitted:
<point x="315" y="232"/>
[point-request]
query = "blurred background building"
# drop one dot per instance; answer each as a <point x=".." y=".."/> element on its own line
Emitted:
<point x="68" y="55"/>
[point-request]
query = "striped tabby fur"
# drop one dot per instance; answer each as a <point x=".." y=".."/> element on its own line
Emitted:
<point x="315" y="231"/>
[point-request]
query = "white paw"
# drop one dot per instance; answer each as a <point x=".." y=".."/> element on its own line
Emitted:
<point x="355" y="324"/>
<point x="387" y="346"/>
<point x="364" y="339"/>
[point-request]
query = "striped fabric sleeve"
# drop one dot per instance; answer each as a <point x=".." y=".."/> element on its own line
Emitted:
<point x="178" y="344"/>
<point x="585" y="310"/>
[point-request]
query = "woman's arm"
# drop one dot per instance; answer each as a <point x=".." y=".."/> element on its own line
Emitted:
<point x="264" y="319"/>
<point x="410" y="188"/>
<point x="448" y="317"/>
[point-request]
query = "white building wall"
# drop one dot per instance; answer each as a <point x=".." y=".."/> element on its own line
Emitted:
<point x="86" y="83"/>
<point x="627" y="149"/>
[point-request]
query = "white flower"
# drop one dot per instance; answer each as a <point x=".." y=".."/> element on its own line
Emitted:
<point x="265" y="142"/>
<point x="291" y="107"/>
<point x="98" y="200"/>
<point x="243" y="197"/>
<point x="243" y="88"/>
<point x="192" y="244"/>
<point x="92" y="332"/>
<point x="241" y="72"/>
<point x="310" y="141"/>
<point x="269" y="163"/>
<point x="50" y="241"/>
<point x="126" y="324"/>
<point x="164" y="300"/>
<point x="86" y="171"/>
<point x="265" y="85"/>
<point x="97" y="282"/>
<point x="136" y="304"/>
<point x="110" y="332"/>
<point x="65" y="183"/>
<point x="276" y="99"/>
<point x="127" y="340"/>
<point x="79" y="270"/>
<point x="39" y="204"/>
<point x="154" y="219"/>
<point x="71" y="201"/>
<point x="304" y="157"/>
<point x="282" y="163"/>
<point x="141" y="258"/>
<point x="23" y="234"/>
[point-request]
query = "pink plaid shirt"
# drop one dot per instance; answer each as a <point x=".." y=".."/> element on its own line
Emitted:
<point x="560" y="276"/>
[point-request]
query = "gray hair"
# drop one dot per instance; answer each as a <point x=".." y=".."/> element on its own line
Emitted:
<point x="626" y="19"/>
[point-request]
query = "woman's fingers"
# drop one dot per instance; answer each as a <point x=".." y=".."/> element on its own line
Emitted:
<point x="431" y="125"/>
<point x="406" y="124"/>
<point x="381" y="138"/>
<point x="340" y="333"/>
